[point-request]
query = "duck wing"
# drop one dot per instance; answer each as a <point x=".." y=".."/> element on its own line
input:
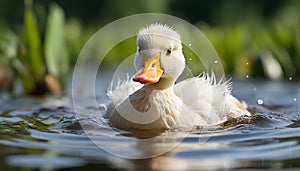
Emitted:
<point x="209" y="98"/>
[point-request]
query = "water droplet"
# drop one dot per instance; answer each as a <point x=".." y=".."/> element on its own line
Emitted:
<point x="190" y="44"/>
<point x="216" y="61"/>
<point x="295" y="99"/>
<point x="247" y="76"/>
<point x="290" y="78"/>
<point x="190" y="59"/>
<point x="247" y="63"/>
<point x="260" y="101"/>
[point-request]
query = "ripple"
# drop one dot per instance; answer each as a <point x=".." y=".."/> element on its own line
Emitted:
<point x="273" y="151"/>
<point x="35" y="134"/>
<point x="44" y="161"/>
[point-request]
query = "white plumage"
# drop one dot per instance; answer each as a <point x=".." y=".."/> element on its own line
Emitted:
<point x="160" y="104"/>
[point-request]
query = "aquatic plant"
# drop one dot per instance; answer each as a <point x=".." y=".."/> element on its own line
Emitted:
<point x="39" y="61"/>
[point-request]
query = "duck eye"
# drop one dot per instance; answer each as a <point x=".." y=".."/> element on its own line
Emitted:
<point x="139" y="50"/>
<point x="168" y="52"/>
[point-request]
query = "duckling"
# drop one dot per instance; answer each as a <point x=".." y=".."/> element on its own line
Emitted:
<point x="153" y="101"/>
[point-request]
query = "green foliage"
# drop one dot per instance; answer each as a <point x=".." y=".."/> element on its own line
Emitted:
<point x="120" y="51"/>
<point x="9" y="49"/>
<point x="41" y="66"/>
<point x="75" y="38"/>
<point x="39" y="55"/>
<point x="33" y="42"/>
<point x="271" y="45"/>
<point x="56" y="54"/>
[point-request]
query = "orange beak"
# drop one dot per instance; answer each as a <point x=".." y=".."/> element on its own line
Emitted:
<point x="151" y="72"/>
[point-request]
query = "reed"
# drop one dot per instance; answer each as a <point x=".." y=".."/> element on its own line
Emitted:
<point x="39" y="61"/>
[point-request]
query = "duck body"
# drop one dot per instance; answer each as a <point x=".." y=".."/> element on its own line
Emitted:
<point x="192" y="102"/>
<point x="156" y="103"/>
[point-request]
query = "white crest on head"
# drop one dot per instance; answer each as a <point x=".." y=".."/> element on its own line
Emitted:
<point x="162" y="30"/>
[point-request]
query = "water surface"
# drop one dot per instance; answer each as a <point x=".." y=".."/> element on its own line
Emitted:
<point x="46" y="133"/>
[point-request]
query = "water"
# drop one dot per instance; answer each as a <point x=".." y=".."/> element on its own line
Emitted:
<point x="45" y="133"/>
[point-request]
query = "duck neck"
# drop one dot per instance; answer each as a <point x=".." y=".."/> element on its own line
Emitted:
<point x="162" y="84"/>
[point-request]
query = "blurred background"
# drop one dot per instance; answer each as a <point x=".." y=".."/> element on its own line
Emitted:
<point x="258" y="38"/>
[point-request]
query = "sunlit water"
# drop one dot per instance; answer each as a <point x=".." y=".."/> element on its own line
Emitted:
<point x="45" y="133"/>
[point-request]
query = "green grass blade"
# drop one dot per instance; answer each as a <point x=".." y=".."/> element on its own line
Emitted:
<point x="33" y="42"/>
<point x="56" y="54"/>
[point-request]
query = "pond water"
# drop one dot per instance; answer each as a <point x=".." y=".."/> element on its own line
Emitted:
<point x="44" y="133"/>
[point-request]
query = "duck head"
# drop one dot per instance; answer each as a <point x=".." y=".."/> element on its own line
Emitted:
<point x="159" y="59"/>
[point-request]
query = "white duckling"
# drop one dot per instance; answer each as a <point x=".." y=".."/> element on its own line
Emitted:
<point x="160" y="104"/>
